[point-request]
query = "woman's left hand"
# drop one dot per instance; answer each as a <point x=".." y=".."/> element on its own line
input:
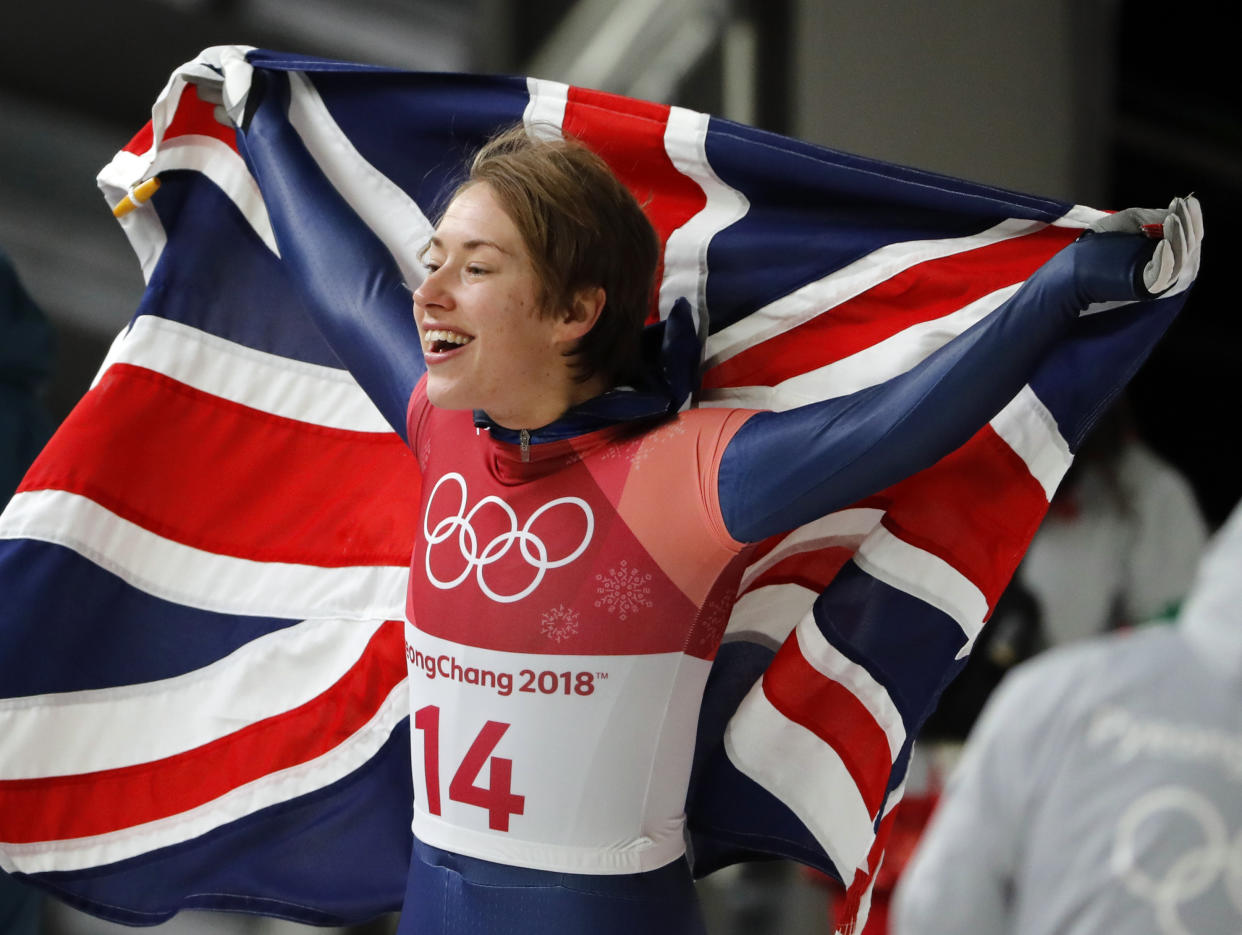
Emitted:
<point x="1175" y="262"/>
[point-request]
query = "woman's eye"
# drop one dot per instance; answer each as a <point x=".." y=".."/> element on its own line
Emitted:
<point x="430" y="267"/>
<point x="475" y="270"/>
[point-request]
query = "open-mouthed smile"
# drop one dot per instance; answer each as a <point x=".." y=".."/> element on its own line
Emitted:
<point x="441" y="341"/>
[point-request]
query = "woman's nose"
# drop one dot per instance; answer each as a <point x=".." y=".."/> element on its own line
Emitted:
<point x="432" y="292"/>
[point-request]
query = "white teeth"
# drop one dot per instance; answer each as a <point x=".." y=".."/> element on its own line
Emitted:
<point x="449" y="337"/>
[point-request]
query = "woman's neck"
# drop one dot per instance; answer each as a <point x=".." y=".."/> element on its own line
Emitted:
<point x="550" y="407"/>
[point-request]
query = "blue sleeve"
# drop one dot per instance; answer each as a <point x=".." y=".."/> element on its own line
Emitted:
<point x="784" y="469"/>
<point x="349" y="280"/>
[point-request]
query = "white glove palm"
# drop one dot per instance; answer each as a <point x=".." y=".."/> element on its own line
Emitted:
<point x="1175" y="263"/>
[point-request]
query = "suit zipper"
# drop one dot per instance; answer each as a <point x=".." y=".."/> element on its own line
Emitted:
<point x="524" y="438"/>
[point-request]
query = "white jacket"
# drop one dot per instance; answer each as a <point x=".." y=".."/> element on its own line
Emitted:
<point x="1101" y="791"/>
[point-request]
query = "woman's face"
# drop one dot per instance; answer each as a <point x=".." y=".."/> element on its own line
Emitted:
<point x="486" y="343"/>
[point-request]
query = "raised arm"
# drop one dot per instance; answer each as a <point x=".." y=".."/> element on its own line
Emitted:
<point x="351" y="284"/>
<point x="784" y="469"/>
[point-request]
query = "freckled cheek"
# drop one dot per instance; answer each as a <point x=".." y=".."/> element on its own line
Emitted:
<point x="521" y="302"/>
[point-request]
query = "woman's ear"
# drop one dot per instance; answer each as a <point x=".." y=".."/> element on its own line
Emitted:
<point x="584" y="311"/>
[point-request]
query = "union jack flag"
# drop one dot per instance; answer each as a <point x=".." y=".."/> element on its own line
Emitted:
<point x="204" y="571"/>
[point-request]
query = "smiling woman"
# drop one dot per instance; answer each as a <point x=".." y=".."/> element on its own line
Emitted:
<point x="539" y="277"/>
<point x="584" y="231"/>
<point x="487" y="343"/>
<point x="492" y="338"/>
<point x="582" y="534"/>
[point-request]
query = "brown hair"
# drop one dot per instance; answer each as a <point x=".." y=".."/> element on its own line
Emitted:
<point x="583" y="228"/>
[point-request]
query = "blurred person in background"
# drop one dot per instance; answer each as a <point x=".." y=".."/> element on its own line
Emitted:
<point x="1121" y="540"/>
<point x="1101" y="790"/>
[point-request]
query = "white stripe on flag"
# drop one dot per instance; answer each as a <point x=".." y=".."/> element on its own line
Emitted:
<point x="871" y="366"/>
<point x="187" y="575"/>
<point x="218" y="162"/>
<point x="545" y="110"/>
<point x="927" y="577"/>
<point x="844" y="528"/>
<point x="1030" y="430"/>
<point x="1080" y="216"/>
<point x="805" y="774"/>
<point x="291" y="389"/>
<point x="281" y="786"/>
<point x="142" y="227"/>
<point x="685" y="253"/>
<point x="204" y="154"/>
<point x="834" y="666"/>
<point x="767" y="615"/>
<point x="126" y="169"/>
<point x="391" y="214"/>
<point x="88" y="731"/>
<point x="864" y="904"/>
<point x="815" y="298"/>
<point x="894" y="798"/>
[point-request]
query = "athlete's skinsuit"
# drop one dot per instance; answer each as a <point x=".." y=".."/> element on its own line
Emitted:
<point x="599" y="587"/>
<point x="562" y="619"/>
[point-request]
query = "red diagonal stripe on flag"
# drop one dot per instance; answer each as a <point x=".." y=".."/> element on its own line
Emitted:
<point x="629" y="135"/>
<point x="924" y="292"/>
<point x="141" y="141"/>
<point x="196" y="117"/>
<point x="62" y="807"/>
<point x="332" y="497"/>
<point x="830" y="711"/>
<point x="812" y="569"/>
<point x="977" y="509"/>
<point x="193" y="116"/>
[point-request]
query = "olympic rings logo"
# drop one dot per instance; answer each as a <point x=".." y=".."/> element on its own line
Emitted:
<point x="530" y="546"/>
<point x="1194" y="871"/>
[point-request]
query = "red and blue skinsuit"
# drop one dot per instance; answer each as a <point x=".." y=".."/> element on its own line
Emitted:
<point x="570" y="583"/>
